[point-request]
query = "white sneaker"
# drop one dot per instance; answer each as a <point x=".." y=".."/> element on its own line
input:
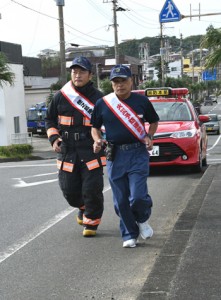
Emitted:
<point x="146" y="230"/>
<point x="130" y="243"/>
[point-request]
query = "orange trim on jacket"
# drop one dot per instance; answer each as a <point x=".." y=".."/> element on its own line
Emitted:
<point x="88" y="221"/>
<point x="93" y="164"/>
<point x="103" y="160"/>
<point x="65" y="120"/>
<point x="52" y="131"/>
<point x="86" y="122"/>
<point x="65" y="166"/>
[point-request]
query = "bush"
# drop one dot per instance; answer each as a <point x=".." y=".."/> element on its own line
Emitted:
<point x="106" y="86"/>
<point x="16" y="151"/>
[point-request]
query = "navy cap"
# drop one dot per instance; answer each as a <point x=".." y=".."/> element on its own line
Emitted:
<point x="82" y="62"/>
<point x="120" y="71"/>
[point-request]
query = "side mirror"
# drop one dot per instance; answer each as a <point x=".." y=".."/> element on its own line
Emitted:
<point x="203" y="118"/>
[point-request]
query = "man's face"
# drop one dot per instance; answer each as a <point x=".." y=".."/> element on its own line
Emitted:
<point x="80" y="76"/>
<point x="122" y="87"/>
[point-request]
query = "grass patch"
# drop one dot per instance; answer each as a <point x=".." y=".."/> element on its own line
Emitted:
<point x="20" y="151"/>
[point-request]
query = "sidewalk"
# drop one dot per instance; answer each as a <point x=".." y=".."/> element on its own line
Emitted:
<point x="189" y="265"/>
<point x="42" y="149"/>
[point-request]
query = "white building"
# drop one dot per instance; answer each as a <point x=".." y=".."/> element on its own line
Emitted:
<point x="13" y="125"/>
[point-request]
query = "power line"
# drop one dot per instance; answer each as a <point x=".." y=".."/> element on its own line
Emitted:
<point x="41" y="13"/>
<point x="38" y="12"/>
<point x="98" y="9"/>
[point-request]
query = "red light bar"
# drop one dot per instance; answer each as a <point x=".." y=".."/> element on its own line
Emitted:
<point x="179" y="91"/>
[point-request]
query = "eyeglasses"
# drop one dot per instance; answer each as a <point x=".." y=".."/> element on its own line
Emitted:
<point x="79" y="72"/>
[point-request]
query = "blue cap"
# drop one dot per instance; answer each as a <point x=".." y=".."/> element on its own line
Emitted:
<point x="82" y="62"/>
<point x="120" y="71"/>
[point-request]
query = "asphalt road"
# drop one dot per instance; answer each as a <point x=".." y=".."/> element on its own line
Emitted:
<point x="43" y="254"/>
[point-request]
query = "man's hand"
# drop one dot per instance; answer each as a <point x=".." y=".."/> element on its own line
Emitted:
<point x="149" y="143"/>
<point x="97" y="145"/>
<point x="57" y="145"/>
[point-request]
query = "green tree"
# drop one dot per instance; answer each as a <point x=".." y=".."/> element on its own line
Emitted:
<point x="6" y="76"/>
<point x="212" y="41"/>
<point x="50" y="64"/>
<point x="106" y="86"/>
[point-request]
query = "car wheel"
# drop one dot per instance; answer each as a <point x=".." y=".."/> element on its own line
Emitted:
<point x="218" y="132"/>
<point x="199" y="167"/>
<point x="204" y="161"/>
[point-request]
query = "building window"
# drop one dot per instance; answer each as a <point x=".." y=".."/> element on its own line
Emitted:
<point x="174" y="69"/>
<point x="16" y="125"/>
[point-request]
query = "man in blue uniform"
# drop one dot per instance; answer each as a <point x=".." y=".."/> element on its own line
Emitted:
<point x="69" y="132"/>
<point x="123" y="115"/>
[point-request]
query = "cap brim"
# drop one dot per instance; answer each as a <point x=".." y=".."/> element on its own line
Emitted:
<point x="78" y="65"/>
<point x="119" y="76"/>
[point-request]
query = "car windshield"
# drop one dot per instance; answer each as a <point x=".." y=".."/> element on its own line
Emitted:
<point x="213" y="117"/>
<point x="36" y="115"/>
<point x="172" y="111"/>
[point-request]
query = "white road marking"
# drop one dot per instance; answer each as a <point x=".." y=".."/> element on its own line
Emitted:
<point x="214" y="159"/>
<point x="214" y="145"/>
<point x="38" y="175"/>
<point x="37" y="232"/>
<point x="23" y="184"/>
<point x="34" y="234"/>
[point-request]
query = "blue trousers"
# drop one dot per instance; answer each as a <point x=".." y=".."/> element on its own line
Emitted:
<point x="128" y="175"/>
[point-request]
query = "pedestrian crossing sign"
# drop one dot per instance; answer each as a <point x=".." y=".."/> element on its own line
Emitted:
<point x="169" y="12"/>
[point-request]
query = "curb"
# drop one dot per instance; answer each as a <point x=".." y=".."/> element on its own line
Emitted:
<point x="158" y="283"/>
<point x="32" y="157"/>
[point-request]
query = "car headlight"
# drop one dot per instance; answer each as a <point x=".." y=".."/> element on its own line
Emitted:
<point x="183" y="134"/>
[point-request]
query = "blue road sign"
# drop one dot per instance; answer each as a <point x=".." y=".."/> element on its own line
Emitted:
<point x="209" y="75"/>
<point x="169" y="12"/>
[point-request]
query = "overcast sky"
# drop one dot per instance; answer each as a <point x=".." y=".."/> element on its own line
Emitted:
<point x="34" y="23"/>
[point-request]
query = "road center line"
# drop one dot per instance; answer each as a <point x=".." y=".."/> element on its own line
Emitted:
<point x="214" y="145"/>
<point x="37" y="232"/>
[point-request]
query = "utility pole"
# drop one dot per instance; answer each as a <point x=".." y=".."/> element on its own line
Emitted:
<point x="162" y="55"/>
<point x="115" y="33"/>
<point x="60" y="4"/>
<point x="98" y="75"/>
<point x="115" y="25"/>
<point x="181" y="53"/>
<point x="116" y="50"/>
<point x="192" y="65"/>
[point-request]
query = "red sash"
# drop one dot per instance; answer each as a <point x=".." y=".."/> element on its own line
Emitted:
<point x="78" y="101"/>
<point x="126" y="115"/>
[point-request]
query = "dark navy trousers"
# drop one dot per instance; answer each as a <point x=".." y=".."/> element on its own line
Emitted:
<point x="128" y="175"/>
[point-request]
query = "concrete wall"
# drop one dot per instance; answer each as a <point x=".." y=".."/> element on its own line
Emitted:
<point x="12" y="104"/>
<point x="34" y="96"/>
<point x="37" y="89"/>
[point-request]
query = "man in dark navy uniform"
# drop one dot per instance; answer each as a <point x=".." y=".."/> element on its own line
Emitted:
<point x="123" y="115"/>
<point x="69" y="132"/>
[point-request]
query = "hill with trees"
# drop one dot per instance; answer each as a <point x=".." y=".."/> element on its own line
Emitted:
<point x="131" y="47"/>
